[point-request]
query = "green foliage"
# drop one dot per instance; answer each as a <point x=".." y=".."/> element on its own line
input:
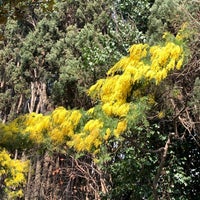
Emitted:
<point x="68" y="50"/>
<point x="119" y="120"/>
<point x="11" y="83"/>
<point x="17" y="9"/>
<point x="65" y="49"/>
<point x="164" y="15"/>
<point x="136" y="12"/>
<point x="132" y="173"/>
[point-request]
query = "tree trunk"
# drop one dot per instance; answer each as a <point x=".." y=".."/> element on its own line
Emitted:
<point x="37" y="181"/>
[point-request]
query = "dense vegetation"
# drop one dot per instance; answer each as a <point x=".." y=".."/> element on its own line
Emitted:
<point x="100" y="99"/>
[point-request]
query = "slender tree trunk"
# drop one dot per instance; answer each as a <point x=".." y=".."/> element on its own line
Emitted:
<point x="31" y="105"/>
<point x="48" y="182"/>
<point x="37" y="181"/>
<point x="44" y="177"/>
<point x="27" y="194"/>
<point x="19" y="103"/>
<point x="55" y="186"/>
<point x="41" y="106"/>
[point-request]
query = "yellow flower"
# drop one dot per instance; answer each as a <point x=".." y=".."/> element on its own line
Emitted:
<point x="97" y="143"/>
<point x="107" y="108"/>
<point x="107" y="134"/>
<point x="94" y="89"/>
<point x="108" y="89"/>
<point x="121" y="127"/>
<point x="123" y="87"/>
<point x="93" y="124"/>
<point x="90" y="111"/>
<point x="121" y="110"/>
<point x="59" y="115"/>
<point x="14" y="171"/>
<point x="155" y="51"/>
<point x="161" y="114"/>
<point x="179" y="63"/>
<point x="150" y="74"/>
<point x="138" y="51"/>
<point x="163" y="57"/>
<point x="77" y="142"/>
<point x="171" y="65"/>
<point x="119" y="66"/>
<point x="75" y="117"/>
<point x="57" y="136"/>
<point x="176" y="52"/>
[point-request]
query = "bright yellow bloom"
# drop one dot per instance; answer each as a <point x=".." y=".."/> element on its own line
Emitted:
<point x="107" y="134"/>
<point x="94" y="89"/>
<point x="121" y="109"/>
<point x="75" y="117"/>
<point x="107" y="108"/>
<point x="56" y="136"/>
<point x="123" y="87"/>
<point x="120" y="66"/>
<point x="14" y="171"/>
<point x="93" y="124"/>
<point x="179" y="63"/>
<point x="108" y="88"/>
<point x="170" y="65"/>
<point x="121" y="127"/>
<point x="90" y="111"/>
<point x="138" y="51"/>
<point x="59" y="115"/>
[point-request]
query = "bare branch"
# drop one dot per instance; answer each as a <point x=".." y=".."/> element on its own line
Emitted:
<point x="161" y="165"/>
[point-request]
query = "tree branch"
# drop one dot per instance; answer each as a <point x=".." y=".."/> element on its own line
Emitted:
<point x="161" y="165"/>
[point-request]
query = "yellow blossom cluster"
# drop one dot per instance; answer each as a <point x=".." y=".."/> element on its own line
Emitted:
<point x="86" y="131"/>
<point x="60" y="124"/>
<point x="64" y="123"/>
<point x="36" y="126"/>
<point x="14" y="172"/>
<point x="121" y="127"/>
<point x="89" y="137"/>
<point x="64" y="126"/>
<point x="10" y="131"/>
<point x="144" y="63"/>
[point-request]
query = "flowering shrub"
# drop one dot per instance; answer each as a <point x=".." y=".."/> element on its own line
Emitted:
<point x="87" y="130"/>
<point x="121" y="105"/>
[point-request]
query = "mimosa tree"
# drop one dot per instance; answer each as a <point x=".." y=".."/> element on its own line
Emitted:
<point x="122" y="113"/>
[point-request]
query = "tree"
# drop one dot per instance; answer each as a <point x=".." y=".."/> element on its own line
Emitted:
<point x="139" y="139"/>
<point x="124" y="104"/>
<point x="55" y="63"/>
<point x="18" y="9"/>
